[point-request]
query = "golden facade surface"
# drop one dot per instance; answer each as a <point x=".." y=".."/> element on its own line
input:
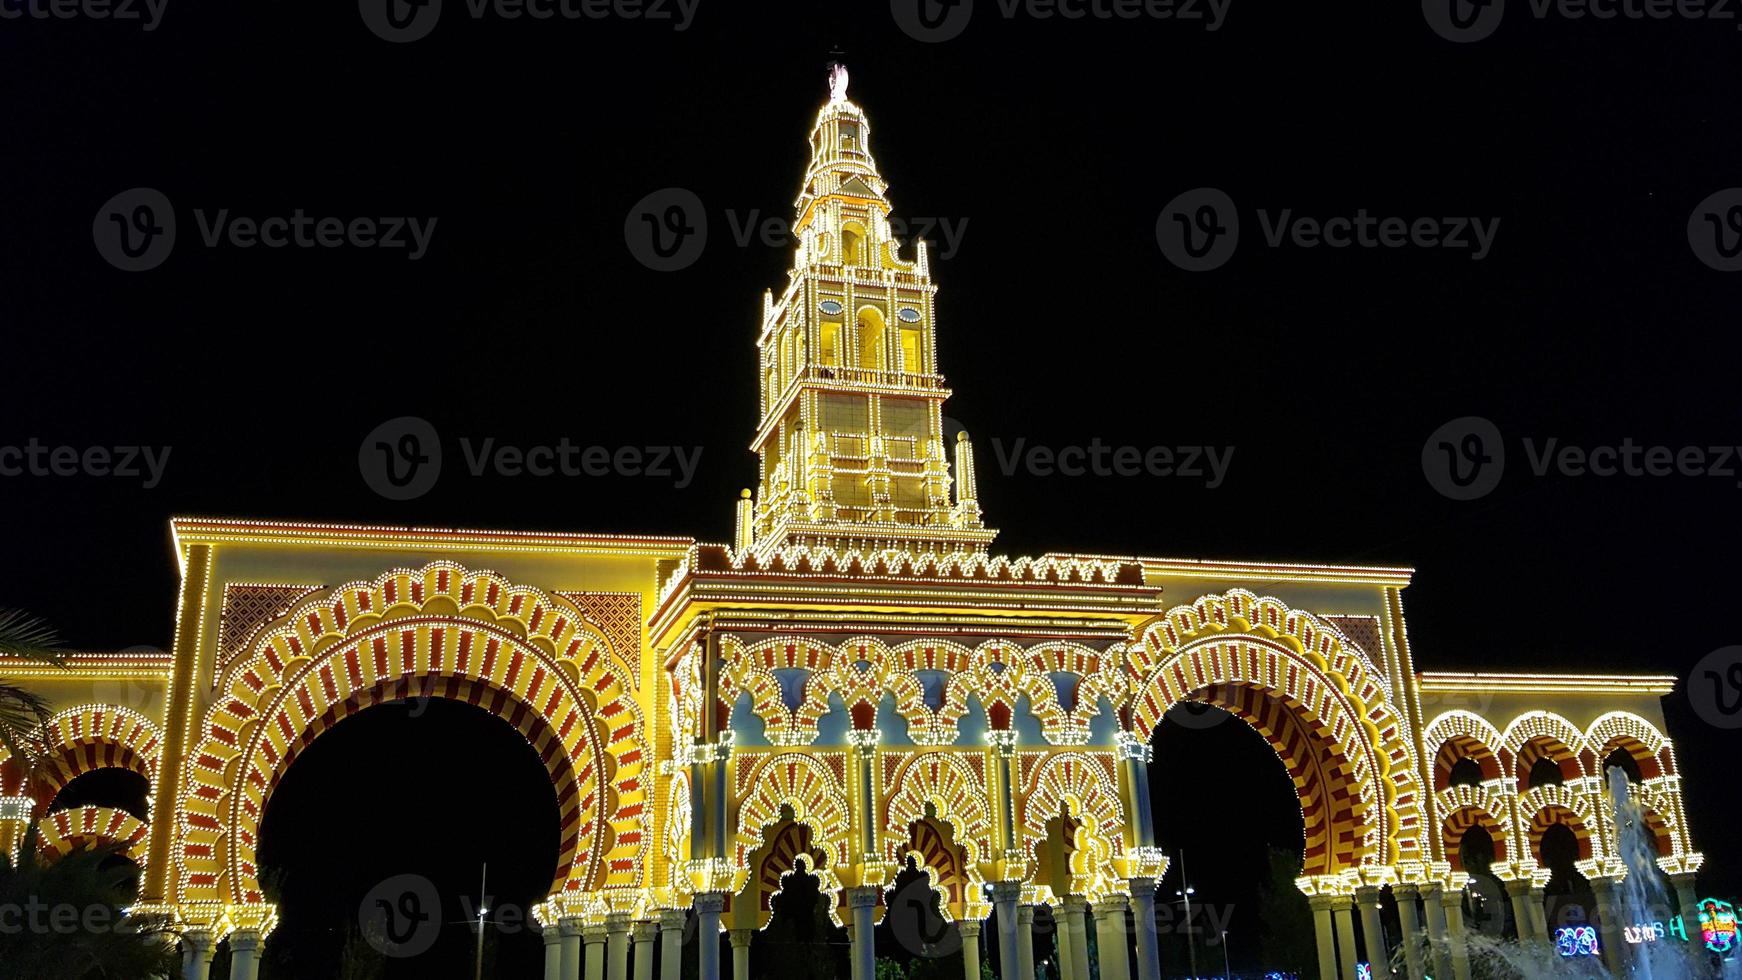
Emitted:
<point x="855" y="682"/>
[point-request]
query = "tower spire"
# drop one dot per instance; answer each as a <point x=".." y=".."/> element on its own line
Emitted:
<point x="851" y="441"/>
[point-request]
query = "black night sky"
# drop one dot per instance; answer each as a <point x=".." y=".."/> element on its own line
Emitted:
<point x="1052" y="146"/>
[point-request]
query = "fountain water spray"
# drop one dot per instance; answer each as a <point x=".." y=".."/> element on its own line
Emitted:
<point x="1641" y="900"/>
<point x="1641" y="897"/>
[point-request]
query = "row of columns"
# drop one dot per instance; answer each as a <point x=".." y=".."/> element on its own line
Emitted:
<point x="1015" y="938"/>
<point x="1443" y="908"/>
<point x="199" y="946"/>
<point x="604" y="949"/>
<point x="1334" y="932"/>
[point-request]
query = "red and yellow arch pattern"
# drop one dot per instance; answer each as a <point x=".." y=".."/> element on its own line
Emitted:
<point x="931" y="844"/>
<point x="1647" y="746"/>
<point x="1368" y="808"/>
<point x="955" y="786"/>
<point x="80" y="828"/>
<point x="924" y="725"/>
<point x="1323" y="778"/>
<point x="802" y="782"/>
<point x="1003" y="676"/>
<point x="438" y="631"/>
<point x="788" y="844"/>
<point x="1541" y="735"/>
<point x="88" y="737"/>
<point x="1457" y="735"/>
<point x="1663" y="817"/>
<point x="1546" y="806"/>
<point x="1080" y="786"/>
<point x="1464" y="807"/>
<point x="1580" y="802"/>
<point x="861" y="674"/>
<point x="752" y="669"/>
<point x="1095" y="676"/>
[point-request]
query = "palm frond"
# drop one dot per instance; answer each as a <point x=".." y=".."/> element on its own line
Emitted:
<point x="87" y="880"/>
<point x="29" y="637"/>
<point x="22" y="714"/>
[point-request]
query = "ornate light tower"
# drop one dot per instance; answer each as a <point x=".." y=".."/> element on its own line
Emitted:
<point x="851" y="438"/>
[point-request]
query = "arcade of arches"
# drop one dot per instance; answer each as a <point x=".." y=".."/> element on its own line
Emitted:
<point x="854" y="683"/>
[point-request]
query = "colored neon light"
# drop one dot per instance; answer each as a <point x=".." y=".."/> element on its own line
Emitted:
<point x="1576" y="941"/>
<point x="1643" y="932"/>
<point x="1718" y="925"/>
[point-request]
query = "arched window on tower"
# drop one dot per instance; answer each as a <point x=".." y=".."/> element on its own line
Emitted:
<point x="871" y="339"/>
<point x="852" y="244"/>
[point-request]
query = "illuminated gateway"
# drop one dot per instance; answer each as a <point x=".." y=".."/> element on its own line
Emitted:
<point x="854" y="682"/>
